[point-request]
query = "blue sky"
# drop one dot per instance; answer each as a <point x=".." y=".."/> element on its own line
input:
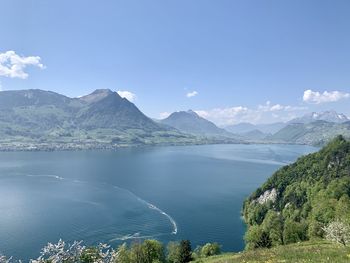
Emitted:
<point x="240" y="60"/>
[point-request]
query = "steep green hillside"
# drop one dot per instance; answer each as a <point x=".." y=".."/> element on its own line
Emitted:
<point x="300" y="199"/>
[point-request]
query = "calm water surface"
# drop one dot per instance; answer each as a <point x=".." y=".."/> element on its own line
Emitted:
<point x="167" y="193"/>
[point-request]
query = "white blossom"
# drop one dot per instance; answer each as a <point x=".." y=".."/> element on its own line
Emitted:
<point x="338" y="232"/>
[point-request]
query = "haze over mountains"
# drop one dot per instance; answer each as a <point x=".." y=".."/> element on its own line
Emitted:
<point x="37" y="119"/>
<point x="329" y="116"/>
<point x="47" y="120"/>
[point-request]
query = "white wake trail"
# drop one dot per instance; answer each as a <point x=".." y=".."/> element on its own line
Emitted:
<point x="148" y="204"/>
<point x="153" y="207"/>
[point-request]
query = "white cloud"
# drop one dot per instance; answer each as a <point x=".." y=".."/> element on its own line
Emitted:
<point x="13" y="65"/>
<point x="262" y="114"/>
<point x="191" y="94"/>
<point x="164" y="115"/>
<point x="225" y="116"/>
<point x="268" y="107"/>
<point x="127" y="94"/>
<point x="327" y="96"/>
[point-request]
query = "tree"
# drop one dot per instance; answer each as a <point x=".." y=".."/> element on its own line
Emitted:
<point x="173" y="252"/>
<point x="210" y="249"/>
<point x="153" y="251"/>
<point x="185" y="251"/>
<point x="294" y="232"/>
<point x="256" y="237"/>
<point x="273" y="224"/>
<point x="338" y="231"/>
<point x="136" y="253"/>
<point x="122" y="255"/>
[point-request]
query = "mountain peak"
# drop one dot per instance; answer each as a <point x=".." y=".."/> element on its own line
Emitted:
<point x="192" y="112"/>
<point x="190" y="122"/>
<point x="97" y="95"/>
<point x="328" y="116"/>
<point x="104" y="91"/>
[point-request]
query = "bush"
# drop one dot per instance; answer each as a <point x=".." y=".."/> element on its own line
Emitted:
<point x="210" y="249"/>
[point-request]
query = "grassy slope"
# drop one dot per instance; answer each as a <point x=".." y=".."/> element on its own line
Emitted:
<point x="311" y="251"/>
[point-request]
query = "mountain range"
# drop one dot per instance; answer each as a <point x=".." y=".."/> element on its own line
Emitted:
<point x="316" y="128"/>
<point x="245" y="127"/>
<point x="37" y="119"/>
<point x="328" y="116"/>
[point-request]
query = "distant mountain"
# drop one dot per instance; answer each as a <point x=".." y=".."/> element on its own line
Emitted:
<point x="271" y="127"/>
<point x="106" y="109"/>
<point x="254" y="135"/>
<point x="241" y="127"/>
<point x="314" y="133"/>
<point x="245" y="127"/>
<point x="191" y="122"/>
<point x="37" y="119"/>
<point x="45" y="110"/>
<point x="329" y="116"/>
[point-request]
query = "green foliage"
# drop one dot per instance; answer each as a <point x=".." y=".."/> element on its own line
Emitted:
<point x="257" y="237"/>
<point x="209" y="249"/>
<point x="173" y="252"/>
<point x="148" y="251"/>
<point x="90" y="255"/>
<point x="185" y="251"/>
<point x="294" y="231"/>
<point x="311" y="193"/>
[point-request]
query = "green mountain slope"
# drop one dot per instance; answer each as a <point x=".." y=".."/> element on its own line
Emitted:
<point x="106" y="109"/>
<point x="37" y="119"/>
<point x="300" y="199"/>
<point x="314" y="133"/>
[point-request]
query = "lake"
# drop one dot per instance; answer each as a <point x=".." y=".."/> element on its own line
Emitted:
<point x="166" y="193"/>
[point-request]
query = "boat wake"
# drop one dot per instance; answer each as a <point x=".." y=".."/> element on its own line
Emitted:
<point x="153" y="207"/>
<point x="148" y="204"/>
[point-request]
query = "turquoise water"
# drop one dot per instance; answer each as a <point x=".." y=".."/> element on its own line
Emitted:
<point x="167" y="193"/>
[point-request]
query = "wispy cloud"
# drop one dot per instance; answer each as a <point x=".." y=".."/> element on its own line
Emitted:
<point x="265" y="113"/>
<point x="164" y="115"/>
<point x="269" y="107"/>
<point x="316" y="97"/>
<point x="13" y="65"/>
<point x="127" y="94"/>
<point x="191" y="94"/>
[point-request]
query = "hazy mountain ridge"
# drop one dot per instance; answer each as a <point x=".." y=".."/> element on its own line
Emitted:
<point x="190" y="122"/>
<point x="314" y="133"/>
<point x="48" y="120"/>
<point x="312" y="128"/>
<point x="244" y="127"/>
<point x="38" y="119"/>
<point x="328" y="116"/>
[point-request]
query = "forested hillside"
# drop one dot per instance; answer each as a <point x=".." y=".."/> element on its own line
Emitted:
<point x="300" y="199"/>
